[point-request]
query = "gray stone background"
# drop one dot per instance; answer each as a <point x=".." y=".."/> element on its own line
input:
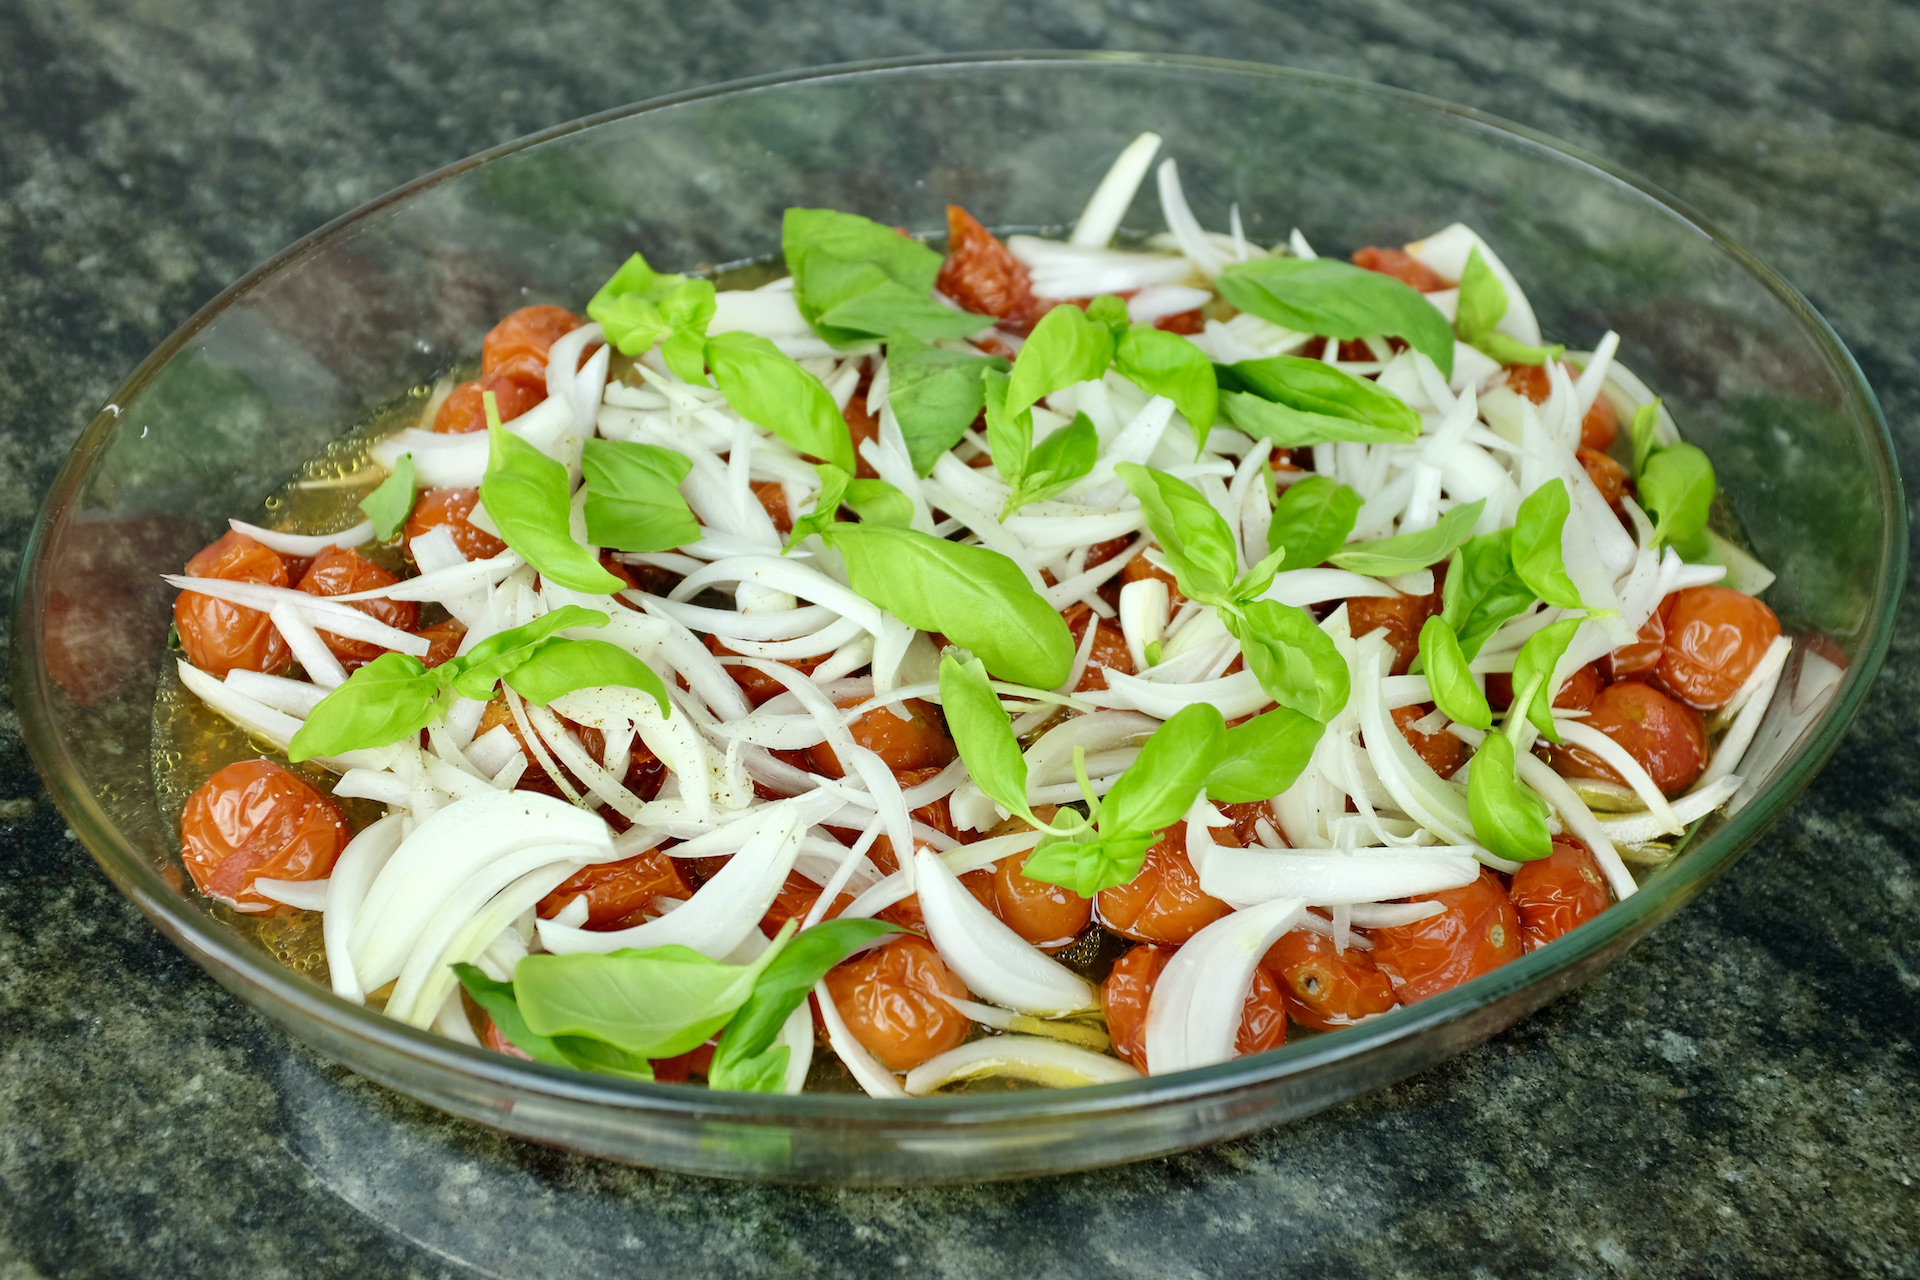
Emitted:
<point x="1738" y="1097"/>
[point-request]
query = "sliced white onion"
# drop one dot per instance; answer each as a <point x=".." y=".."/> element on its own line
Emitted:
<point x="295" y="697"/>
<point x="308" y="649"/>
<point x="990" y="958"/>
<point x="303" y="895"/>
<point x="1319" y="878"/>
<point x="1014" y="1057"/>
<point x="865" y="1068"/>
<point x="1198" y="1002"/>
<point x="1621" y="761"/>
<point x="353" y="871"/>
<point x="339" y="619"/>
<point x="1186" y="229"/>
<point x="1643" y="828"/>
<point x="1099" y="221"/>
<point x="303" y="545"/>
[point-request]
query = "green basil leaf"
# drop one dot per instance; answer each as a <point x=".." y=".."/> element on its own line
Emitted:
<point x="1338" y="300"/>
<point x="1087" y="866"/>
<point x="1057" y="463"/>
<point x="1509" y="819"/>
<point x="935" y="394"/>
<point x="633" y="496"/>
<point x="586" y="1054"/>
<point x="1454" y="689"/>
<point x="1482" y="591"/>
<point x="1483" y="303"/>
<point x="1677" y="489"/>
<point x="826" y="507"/>
<point x="656" y="1003"/>
<point x="1295" y="661"/>
<point x="1110" y="310"/>
<point x="496" y="998"/>
<point x="474" y="673"/>
<point x="1198" y="544"/>
<point x="742" y="1060"/>
<point x="1160" y="786"/>
<point x="1411" y="552"/>
<point x="1311" y="520"/>
<point x="1533" y="669"/>
<point x="389" y="700"/>
<point x="877" y="502"/>
<point x="1645" y="433"/>
<point x="1290" y="428"/>
<point x="977" y="598"/>
<point x="1166" y="364"/>
<point x="1508" y="350"/>
<point x="526" y="495"/>
<point x="1066" y="347"/>
<point x="559" y="667"/>
<point x="640" y="306"/>
<point x="1264" y="756"/>
<point x="1009" y="435"/>
<point x="389" y="505"/>
<point x="856" y="280"/>
<point x="983" y="732"/>
<point x="768" y="388"/>
<point x="1294" y="400"/>
<point x="1537" y="555"/>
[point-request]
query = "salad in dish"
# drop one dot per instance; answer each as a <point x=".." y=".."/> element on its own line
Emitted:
<point x="1037" y="663"/>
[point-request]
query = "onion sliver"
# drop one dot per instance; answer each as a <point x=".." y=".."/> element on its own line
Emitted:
<point x="991" y="959"/>
<point x="1245" y="876"/>
<point x="304" y="546"/>
<point x="1201" y="996"/>
<point x="1033" y="1058"/>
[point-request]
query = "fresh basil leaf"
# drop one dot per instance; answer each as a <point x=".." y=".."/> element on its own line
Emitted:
<point x="474" y="673"/>
<point x="1645" y="433"/>
<point x="1009" y="435"/>
<point x="389" y="700"/>
<point x="1066" y="347"/>
<point x="1294" y="401"/>
<point x="1533" y="671"/>
<point x="1677" y="489"/>
<point x="496" y="998"/>
<point x="633" y="496"/>
<point x="826" y="507"/>
<point x="1482" y="591"/>
<point x="1509" y="819"/>
<point x="1056" y="464"/>
<point x="1109" y="310"/>
<point x="656" y="1003"/>
<point x="1411" y="552"/>
<point x="935" y="395"/>
<point x="1087" y="866"/>
<point x="389" y="505"/>
<point x="1338" y="300"/>
<point x="1508" y="350"/>
<point x="1454" y="689"/>
<point x="1311" y="520"/>
<point x="1198" y="544"/>
<point x="768" y="388"/>
<point x="583" y="1053"/>
<point x="1537" y="554"/>
<point x="559" y="667"/>
<point x="742" y="1060"/>
<point x="640" y="306"/>
<point x="983" y="732"/>
<point x="1483" y="303"/>
<point x="856" y="280"/>
<point x="526" y="495"/>
<point x="877" y="502"/>
<point x="1159" y="787"/>
<point x="1264" y="756"/>
<point x="1295" y="661"/>
<point x="1166" y="364"/>
<point x="689" y="309"/>
<point x="977" y="598"/>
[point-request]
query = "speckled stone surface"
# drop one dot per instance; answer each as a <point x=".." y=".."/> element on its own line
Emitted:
<point x="1740" y="1096"/>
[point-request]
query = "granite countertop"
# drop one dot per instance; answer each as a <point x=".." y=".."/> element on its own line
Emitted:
<point x="1738" y="1096"/>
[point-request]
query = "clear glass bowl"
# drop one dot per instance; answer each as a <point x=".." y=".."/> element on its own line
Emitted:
<point x="387" y="297"/>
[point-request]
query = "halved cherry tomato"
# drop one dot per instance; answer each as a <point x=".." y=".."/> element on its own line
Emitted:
<point x="253" y="820"/>
<point x="1325" y="988"/>
<point x="1164" y="903"/>
<point x="1716" y="636"/>
<point x="1577" y="694"/>
<point x="1608" y="476"/>
<point x="1109" y="647"/>
<point x="619" y="894"/>
<point x="1558" y="893"/>
<point x="515" y="390"/>
<point x="1442" y="752"/>
<point x="1044" y="914"/>
<point x="862" y="426"/>
<point x="1402" y="266"/>
<point x="528" y="332"/>
<point x="982" y="275"/>
<point x="890" y="1000"/>
<point x="1402" y="616"/>
<point x="1478" y="932"/>
<point x="1665" y="737"/>
<point x="1129" y="989"/>
<point x="773" y="500"/>
<point x="918" y="742"/>
<point x="1635" y="660"/>
<point x="221" y="637"/>
<point x="450" y="508"/>
<point x="1597" y="429"/>
<point x="756" y="684"/>
<point x="445" y="637"/>
<point x="339" y="571"/>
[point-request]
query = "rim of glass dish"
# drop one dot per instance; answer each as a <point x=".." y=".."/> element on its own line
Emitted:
<point x="130" y="871"/>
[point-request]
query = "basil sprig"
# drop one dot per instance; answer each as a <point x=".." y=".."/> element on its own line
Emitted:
<point x="1509" y="819"/>
<point x="639" y="306"/>
<point x="1645" y="434"/>
<point x="1167" y="364"/>
<point x="1033" y="472"/>
<point x="1533" y="669"/>
<point x="1453" y="687"/>
<point x="633" y="496"/>
<point x="1338" y="300"/>
<point x="1293" y="401"/>
<point x="386" y="701"/>
<point x="1295" y="661"/>
<point x="1264" y="756"/>
<point x="768" y="388"/>
<point x="1536" y="547"/>
<point x="578" y="1052"/>
<point x="983" y="733"/>
<point x="1483" y="303"/>
<point x="874" y="501"/>
<point x="1311" y="521"/>
<point x="935" y="394"/>
<point x="1677" y="488"/>
<point x="1067" y="346"/>
<point x="526" y="495"/>
<point x="1482" y="590"/>
<point x="1411" y="552"/>
<point x="389" y="505"/>
<point x="855" y="280"/>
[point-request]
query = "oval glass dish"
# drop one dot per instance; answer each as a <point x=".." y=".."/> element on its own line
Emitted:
<point x="282" y="364"/>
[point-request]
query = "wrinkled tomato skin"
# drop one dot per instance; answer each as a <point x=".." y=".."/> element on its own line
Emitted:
<point x="451" y="507"/>
<point x="256" y="819"/>
<point x="861" y="427"/>
<point x="1637" y="660"/>
<point x="1402" y="616"/>
<point x="1666" y="737"/>
<point x="920" y="742"/>
<point x="1185" y="323"/>
<point x="619" y="894"/>
<point x="889" y="998"/>
<point x="1715" y="637"/>
<point x="515" y="390"/>
<point x="773" y="500"/>
<point x="982" y="275"/>
<point x="1597" y="429"/>
<point x="445" y="638"/>
<point x="1164" y="903"/>
<point x="338" y="571"/>
<point x="1577" y="694"/>
<point x="1044" y="914"/>
<point x="1477" y="933"/>
<point x="1402" y="266"/>
<point x="795" y="900"/>
<point x="525" y="334"/>
<point x="757" y="684"/>
<point x="1109" y="652"/>
<point x="1129" y="989"/>
<point x="1324" y="988"/>
<point x="1558" y="893"/>
<point x="221" y="637"/>
<point x="1442" y="752"/>
<point x="1608" y="476"/>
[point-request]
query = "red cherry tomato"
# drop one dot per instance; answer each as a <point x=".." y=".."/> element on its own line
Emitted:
<point x="1402" y="616"/>
<point x="862" y="427"/>
<point x="339" y="571"/>
<point x="620" y="894"/>
<point x="890" y="999"/>
<point x="1558" y="893"/>
<point x="1716" y="636"/>
<point x="1044" y="914"/>
<point x="1402" y="266"/>
<point x="255" y="820"/>
<point x="221" y="637"/>
<point x="1577" y="694"/>
<point x="1129" y="989"/>
<point x="773" y="500"/>
<point x="445" y="637"/>
<point x="526" y="333"/>
<point x="1478" y="932"/>
<point x="1109" y="647"/>
<point x="1608" y="476"/>
<point x="1324" y="988"/>
<point x="1186" y="323"/>
<point x="1164" y="903"/>
<point x="1667" y="738"/>
<point x="491" y="1037"/>
<point x="450" y="508"/>
<point x="919" y="742"/>
<point x="1636" y="660"/>
<point x="1597" y="429"/>
<point x="984" y="277"/>
<point x="1442" y="752"/>
<point x="515" y="390"/>
<point x="1246" y="819"/>
<point x="795" y="900"/>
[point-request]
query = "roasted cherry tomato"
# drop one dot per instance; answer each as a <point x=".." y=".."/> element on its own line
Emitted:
<point x="1109" y="647"/>
<point x="1129" y="989"/>
<point x="1044" y="914"/>
<point x="1324" y="988"/>
<point x="1597" y="429"/>
<point x="445" y="637"/>
<point x="619" y="894"/>
<point x="1715" y="637"/>
<point x="918" y="742"/>
<point x="339" y="571"/>
<point x="491" y="1037"/>
<point x="450" y="508"/>
<point x="221" y="637"/>
<point x="1402" y="266"/>
<point x="757" y="684"/>
<point x="890" y="998"/>
<point x="1402" y="616"/>
<point x="1558" y="893"/>
<point x="773" y="500"/>
<point x="255" y="820"/>
<point x="1164" y="903"/>
<point x="696" y="1061"/>
<point x="1666" y="737"/>
<point x="515" y="390"/>
<point x="1478" y="932"/>
<point x="1638" y="659"/>
<point x="1186" y="323"/>
<point x="1140" y="567"/>
<point x="795" y="900"/>
<point x="1246" y="818"/>
<point x="528" y="332"/>
<point x="1577" y="694"/>
<point x="862" y="427"/>
<point x="1442" y="752"/>
<point x="982" y="275"/>
<point x="1608" y="476"/>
